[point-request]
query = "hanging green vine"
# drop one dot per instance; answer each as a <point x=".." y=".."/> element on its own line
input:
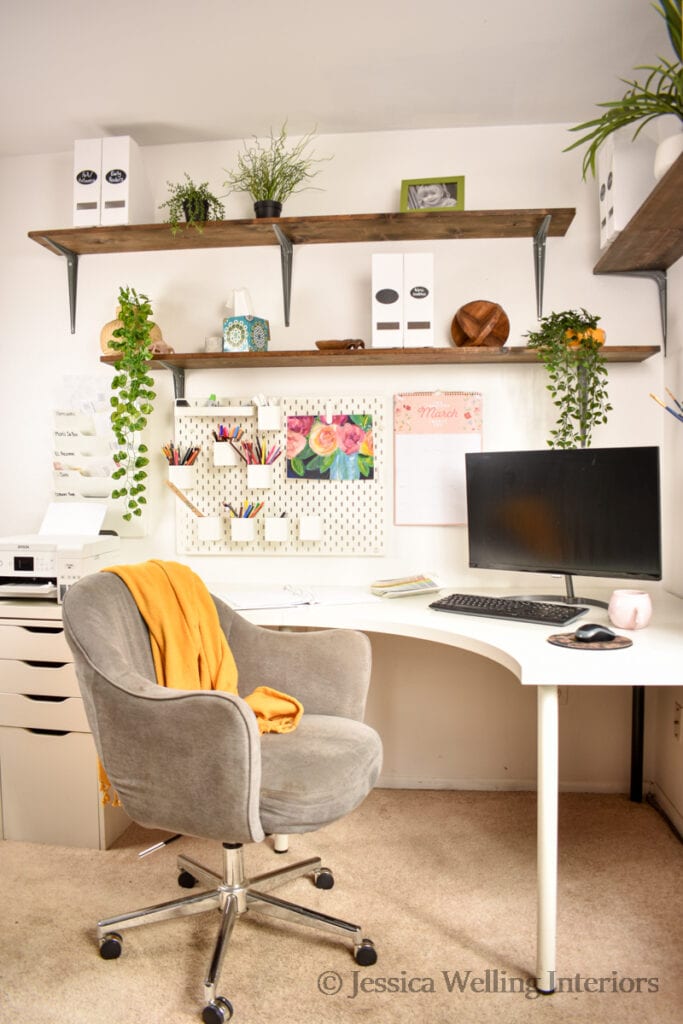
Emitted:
<point x="570" y="346"/>
<point x="132" y="398"/>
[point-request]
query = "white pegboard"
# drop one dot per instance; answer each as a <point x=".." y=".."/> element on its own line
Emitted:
<point x="348" y="514"/>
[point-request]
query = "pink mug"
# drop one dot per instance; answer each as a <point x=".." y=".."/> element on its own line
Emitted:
<point x="629" y="609"/>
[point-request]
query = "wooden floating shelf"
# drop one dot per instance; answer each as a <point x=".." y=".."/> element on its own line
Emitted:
<point x="374" y="357"/>
<point x="360" y="227"/>
<point x="653" y="238"/>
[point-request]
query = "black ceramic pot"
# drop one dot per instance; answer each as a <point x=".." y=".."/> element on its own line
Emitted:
<point x="202" y="213"/>
<point x="267" y="208"/>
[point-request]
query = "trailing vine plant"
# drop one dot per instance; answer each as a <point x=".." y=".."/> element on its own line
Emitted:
<point x="131" y="399"/>
<point x="570" y="346"/>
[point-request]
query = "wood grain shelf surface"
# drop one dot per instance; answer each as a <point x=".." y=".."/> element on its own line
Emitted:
<point x="653" y="238"/>
<point x="375" y="357"/>
<point x="362" y="227"/>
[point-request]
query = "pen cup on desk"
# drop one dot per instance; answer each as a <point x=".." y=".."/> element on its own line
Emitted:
<point x="259" y="475"/>
<point x="209" y="528"/>
<point x="268" y="417"/>
<point x="242" y="529"/>
<point x="276" y="528"/>
<point x="310" y="528"/>
<point x="224" y="454"/>
<point x="184" y="477"/>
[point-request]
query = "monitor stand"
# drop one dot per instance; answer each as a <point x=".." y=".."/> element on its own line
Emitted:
<point x="568" y="598"/>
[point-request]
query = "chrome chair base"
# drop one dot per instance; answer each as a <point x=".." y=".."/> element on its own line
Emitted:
<point x="233" y="894"/>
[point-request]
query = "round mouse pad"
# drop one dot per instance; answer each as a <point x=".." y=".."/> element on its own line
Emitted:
<point x="568" y="640"/>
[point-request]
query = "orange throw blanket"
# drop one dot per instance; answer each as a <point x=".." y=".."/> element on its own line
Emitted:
<point x="189" y="647"/>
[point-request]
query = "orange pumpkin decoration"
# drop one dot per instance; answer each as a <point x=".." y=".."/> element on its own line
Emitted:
<point x="574" y="338"/>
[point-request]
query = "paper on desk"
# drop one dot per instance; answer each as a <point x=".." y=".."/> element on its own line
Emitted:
<point x="290" y="596"/>
<point x="73" y="518"/>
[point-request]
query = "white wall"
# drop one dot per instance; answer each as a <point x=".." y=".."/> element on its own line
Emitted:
<point x="504" y="168"/>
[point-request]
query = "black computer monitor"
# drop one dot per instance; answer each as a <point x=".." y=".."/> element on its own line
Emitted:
<point x="586" y="512"/>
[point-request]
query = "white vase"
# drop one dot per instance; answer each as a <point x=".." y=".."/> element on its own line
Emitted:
<point x="668" y="151"/>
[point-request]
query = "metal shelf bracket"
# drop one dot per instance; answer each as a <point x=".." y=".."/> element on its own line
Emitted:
<point x="659" y="278"/>
<point x="71" y="273"/>
<point x="539" y="261"/>
<point x="286" y="256"/>
<point x="178" y="379"/>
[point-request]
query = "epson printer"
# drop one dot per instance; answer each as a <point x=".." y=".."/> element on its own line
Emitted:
<point x="46" y="564"/>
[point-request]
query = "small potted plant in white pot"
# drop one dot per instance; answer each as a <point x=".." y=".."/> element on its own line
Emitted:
<point x="661" y="94"/>
<point x="271" y="171"/>
<point x="194" y="204"/>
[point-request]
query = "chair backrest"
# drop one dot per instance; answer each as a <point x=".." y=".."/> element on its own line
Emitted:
<point x="183" y="760"/>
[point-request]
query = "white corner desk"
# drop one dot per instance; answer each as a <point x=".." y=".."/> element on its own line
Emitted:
<point x="655" y="659"/>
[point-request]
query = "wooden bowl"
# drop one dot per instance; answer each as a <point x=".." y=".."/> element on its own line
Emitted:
<point x="337" y="346"/>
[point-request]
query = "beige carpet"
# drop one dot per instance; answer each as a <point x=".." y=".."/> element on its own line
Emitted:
<point x="444" y="882"/>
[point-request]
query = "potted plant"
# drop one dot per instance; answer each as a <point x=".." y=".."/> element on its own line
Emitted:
<point x="131" y="399"/>
<point x="569" y="345"/>
<point x="272" y="171"/>
<point x="660" y="94"/>
<point x="193" y="203"/>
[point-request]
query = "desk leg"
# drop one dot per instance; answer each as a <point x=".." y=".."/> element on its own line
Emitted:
<point x="548" y="780"/>
<point x="637" y="742"/>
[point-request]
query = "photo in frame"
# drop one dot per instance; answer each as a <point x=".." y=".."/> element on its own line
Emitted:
<point x="433" y="194"/>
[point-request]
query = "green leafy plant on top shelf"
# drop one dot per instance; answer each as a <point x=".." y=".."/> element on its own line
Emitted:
<point x="570" y="346"/>
<point x="192" y="203"/>
<point x="273" y="170"/>
<point x="132" y="399"/>
<point x="661" y="93"/>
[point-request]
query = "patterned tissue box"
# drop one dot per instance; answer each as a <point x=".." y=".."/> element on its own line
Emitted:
<point x="245" y="334"/>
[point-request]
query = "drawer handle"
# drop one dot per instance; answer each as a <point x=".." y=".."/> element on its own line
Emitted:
<point x="49" y="732"/>
<point x="43" y="629"/>
<point x="44" y="664"/>
<point x="44" y="697"/>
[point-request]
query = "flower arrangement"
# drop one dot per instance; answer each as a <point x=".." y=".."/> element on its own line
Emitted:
<point x="336" y="449"/>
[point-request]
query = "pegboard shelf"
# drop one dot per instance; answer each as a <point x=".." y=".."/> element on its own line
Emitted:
<point x="301" y="515"/>
<point x="215" y="411"/>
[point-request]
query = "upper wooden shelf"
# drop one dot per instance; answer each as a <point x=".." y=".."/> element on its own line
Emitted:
<point x="362" y="227"/>
<point x="653" y="238"/>
<point x="375" y="357"/>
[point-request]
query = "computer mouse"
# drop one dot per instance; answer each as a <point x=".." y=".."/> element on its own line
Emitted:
<point x="593" y="632"/>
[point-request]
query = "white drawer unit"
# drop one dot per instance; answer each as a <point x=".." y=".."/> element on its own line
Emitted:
<point x="49" y="790"/>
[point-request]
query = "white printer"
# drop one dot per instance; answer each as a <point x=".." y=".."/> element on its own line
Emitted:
<point x="45" y="564"/>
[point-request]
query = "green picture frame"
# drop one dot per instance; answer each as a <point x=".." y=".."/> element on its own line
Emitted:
<point x="433" y="194"/>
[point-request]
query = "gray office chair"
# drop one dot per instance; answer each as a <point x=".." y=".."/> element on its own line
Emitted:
<point x="193" y="761"/>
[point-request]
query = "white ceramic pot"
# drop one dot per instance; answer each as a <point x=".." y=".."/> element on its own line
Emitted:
<point x="668" y="152"/>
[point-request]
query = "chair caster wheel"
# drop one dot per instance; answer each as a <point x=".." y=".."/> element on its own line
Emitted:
<point x="111" y="946"/>
<point x="218" y="1011"/>
<point x="366" y="954"/>
<point x="186" y="880"/>
<point x="324" y="879"/>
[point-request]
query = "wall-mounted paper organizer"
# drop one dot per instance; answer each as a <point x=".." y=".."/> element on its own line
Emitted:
<point x="301" y="515"/>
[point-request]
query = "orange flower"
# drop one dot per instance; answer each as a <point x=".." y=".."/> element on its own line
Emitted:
<point x="323" y="438"/>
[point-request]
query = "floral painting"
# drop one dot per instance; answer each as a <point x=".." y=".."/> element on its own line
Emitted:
<point x="339" y="448"/>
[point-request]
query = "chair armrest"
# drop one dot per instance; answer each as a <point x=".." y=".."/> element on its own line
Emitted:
<point x="328" y="670"/>
<point x="190" y="763"/>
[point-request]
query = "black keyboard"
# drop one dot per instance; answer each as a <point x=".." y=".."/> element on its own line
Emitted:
<point x="544" y="612"/>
